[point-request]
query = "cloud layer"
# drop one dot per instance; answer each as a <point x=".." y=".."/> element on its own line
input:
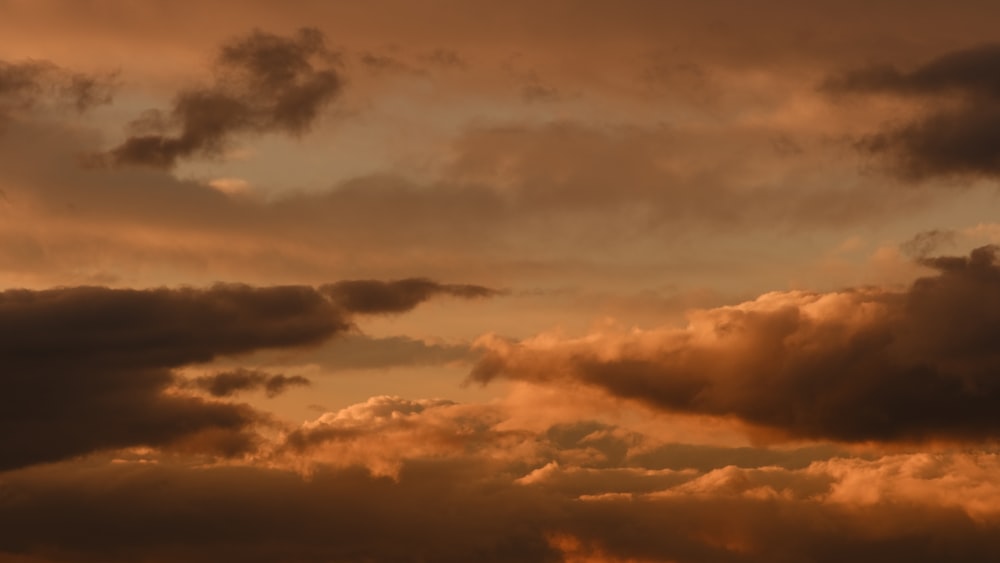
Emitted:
<point x="542" y="501"/>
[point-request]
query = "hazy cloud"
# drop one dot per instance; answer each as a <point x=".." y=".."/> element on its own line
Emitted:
<point x="228" y="383"/>
<point x="263" y="83"/>
<point x="959" y="135"/>
<point x="855" y="365"/>
<point x="925" y="243"/>
<point x="915" y="507"/>
<point x="373" y="296"/>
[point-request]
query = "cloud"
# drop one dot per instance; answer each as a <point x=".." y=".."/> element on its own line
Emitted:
<point x="263" y="83"/>
<point x="467" y="506"/>
<point x="228" y="383"/>
<point x="374" y="297"/>
<point x="384" y="432"/>
<point x="925" y="243"/>
<point x="461" y="482"/>
<point x="958" y="135"/>
<point x="24" y="84"/>
<point x="856" y="365"/>
<point x="90" y="368"/>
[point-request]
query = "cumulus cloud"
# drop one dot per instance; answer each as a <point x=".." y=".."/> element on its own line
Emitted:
<point x="465" y="484"/>
<point x="90" y="368"/>
<point x="925" y="243"/>
<point x="471" y="506"/>
<point x="263" y="83"/>
<point x="958" y="135"/>
<point x="856" y="365"/>
<point x="384" y="432"/>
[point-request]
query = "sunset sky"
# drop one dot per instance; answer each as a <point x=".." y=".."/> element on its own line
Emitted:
<point x="456" y="281"/>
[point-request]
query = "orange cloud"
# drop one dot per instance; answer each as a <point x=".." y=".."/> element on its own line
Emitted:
<point x="857" y="365"/>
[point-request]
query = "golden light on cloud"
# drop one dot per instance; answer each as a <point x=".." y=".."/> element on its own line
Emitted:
<point x="439" y="281"/>
<point x="230" y="186"/>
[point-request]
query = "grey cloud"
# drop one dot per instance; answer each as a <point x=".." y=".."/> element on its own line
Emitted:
<point x="451" y="510"/>
<point x="24" y="84"/>
<point x="228" y="383"/>
<point x="89" y="368"/>
<point x="916" y="365"/>
<point x="263" y="83"/>
<point x="375" y="297"/>
<point x="925" y="243"/>
<point x="958" y="135"/>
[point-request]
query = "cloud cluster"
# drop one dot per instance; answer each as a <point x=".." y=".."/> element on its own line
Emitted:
<point x="856" y="365"/>
<point x="460" y="501"/>
<point x="23" y="84"/>
<point x="263" y="83"/>
<point x="90" y="368"/>
<point x="958" y="135"/>
<point x="374" y="297"/>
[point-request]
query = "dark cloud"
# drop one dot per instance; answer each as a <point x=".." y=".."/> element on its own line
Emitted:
<point x="465" y="510"/>
<point x="24" y="84"/>
<point x="925" y="243"/>
<point x="959" y="135"/>
<point x="479" y="494"/>
<point x="229" y="383"/>
<point x="263" y="83"/>
<point x="89" y="368"/>
<point x="373" y="296"/>
<point x="21" y="81"/>
<point x="258" y="515"/>
<point x="970" y="72"/>
<point x="856" y="365"/>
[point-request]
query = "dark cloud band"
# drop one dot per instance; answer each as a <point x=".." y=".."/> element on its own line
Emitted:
<point x="90" y="368"/>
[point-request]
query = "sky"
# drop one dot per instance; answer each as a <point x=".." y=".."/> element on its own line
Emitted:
<point x="558" y="281"/>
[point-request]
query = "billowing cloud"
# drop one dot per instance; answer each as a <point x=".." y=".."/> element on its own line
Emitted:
<point x="90" y="368"/>
<point x="856" y="365"/>
<point x="467" y="504"/>
<point x="958" y="135"/>
<point x="263" y="83"/>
